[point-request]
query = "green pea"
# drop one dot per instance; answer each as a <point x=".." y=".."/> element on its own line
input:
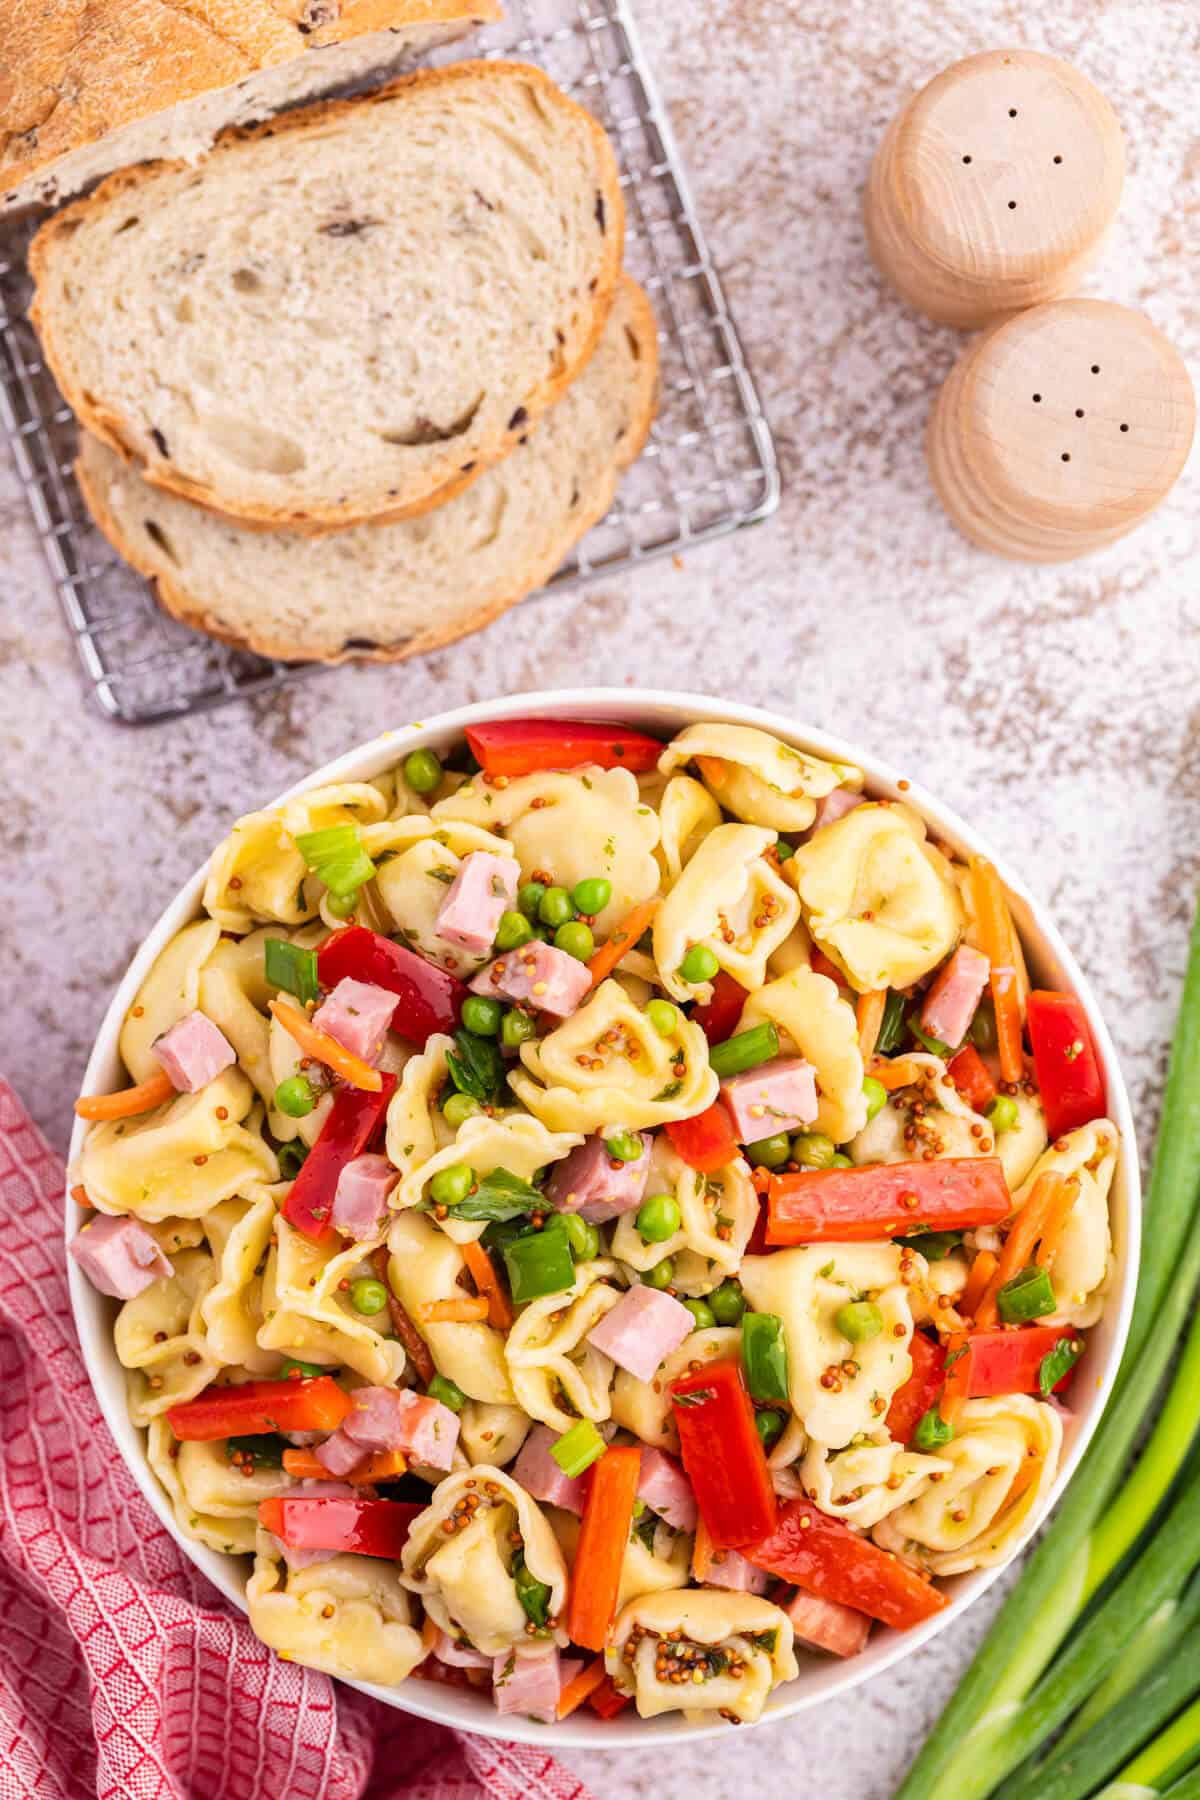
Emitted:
<point x="624" y="1146"/>
<point x="367" y="1296"/>
<point x="702" y="1313"/>
<point x="1003" y="1114"/>
<point x="513" y="930"/>
<point x="554" y="907"/>
<point x="769" y="1152"/>
<point x="859" y="1320"/>
<point x="576" y="939"/>
<point x="582" y="1236"/>
<point x="769" y="1426"/>
<point x="659" y="1218"/>
<point x="698" y="965"/>
<point x="448" y="1392"/>
<point x="529" y="897"/>
<point x="452" y="1184"/>
<point x="458" y="1107"/>
<point x="840" y="1161"/>
<point x="876" y="1096"/>
<point x="663" y="1017"/>
<point x="661" y="1275"/>
<point x="932" y="1431"/>
<point x="341" y="905"/>
<point x="727" y="1303"/>
<point x="482" y="1015"/>
<point x="593" y="895"/>
<point x="516" y="1028"/>
<point x="982" y="1031"/>
<point x="422" y="771"/>
<point x="294" y="1098"/>
<point x="813" y="1149"/>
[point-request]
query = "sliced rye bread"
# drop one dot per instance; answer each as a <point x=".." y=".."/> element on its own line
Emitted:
<point x="345" y="314"/>
<point x="386" y="592"/>
<point x="101" y="86"/>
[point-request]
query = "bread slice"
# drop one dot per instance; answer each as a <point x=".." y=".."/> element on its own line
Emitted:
<point x="391" y="591"/>
<point x="90" y="86"/>
<point x="347" y="313"/>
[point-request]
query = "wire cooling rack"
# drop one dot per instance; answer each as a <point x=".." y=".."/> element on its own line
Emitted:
<point x="708" y="468"/>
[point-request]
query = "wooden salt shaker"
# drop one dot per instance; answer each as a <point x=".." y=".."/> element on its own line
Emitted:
<point x="1060" y="430"/>
<point x="992" y="190"/>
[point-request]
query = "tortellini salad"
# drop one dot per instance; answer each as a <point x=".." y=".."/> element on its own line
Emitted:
<point x="511" y="1130"/>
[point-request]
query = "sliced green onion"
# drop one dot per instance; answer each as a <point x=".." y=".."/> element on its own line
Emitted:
<point x="267" y="1449"/>
<point x="934" y="1045"/>
<point x="1029" y="1295"/>
<point x="291" y="1158"/>
<point x="764" y="1352"/>
<point x="292" y="1365"/>
<point x="891" y="1031"/>
<point x="932" y="1245"/>
<point x="577" y="1449"/>
<point x="289" y="967"/>
<point x="745" y="1051"/>
<point x="1056" y="1362"/>
<point x="336" y="856"/>
<point x="533" y="1594"/>
<point x="539" y="1265"/>
<point x="859" y="1320"/>
<point x="932" y="1431"/>
<point x="448" y="1392"/>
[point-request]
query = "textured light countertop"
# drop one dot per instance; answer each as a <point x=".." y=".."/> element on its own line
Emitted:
<point x="1056" y="707"/>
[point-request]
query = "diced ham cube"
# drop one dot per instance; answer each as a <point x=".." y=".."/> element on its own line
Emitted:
<point x="340" y="1453"/>
<point x="956" y="992"/>
<point x="357" y="1014"/>
<point x="642" y="1328"/>
<point x="398" y="1419"/>
<point x="827" y="1624"/>
<point x="119" y="1256"/>
<point x="731" y="1570"/>
<point x="484" y="887"/>
<point x="360" y="1198"/>
<point x="777" y="1096"/>
<point x="537" y="975"/>
<point x="835" y="806"/>
<point x="194" y="1052"/>
<point x="667" y="1491"/>
<point x="538" y="1473"/>
<point x="528" y="1684"/>
<point x="459" y="1656"/>
<point x="596" y="1185"/>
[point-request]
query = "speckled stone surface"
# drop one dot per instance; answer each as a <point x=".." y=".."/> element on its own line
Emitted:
<point x="1056" y="707"/>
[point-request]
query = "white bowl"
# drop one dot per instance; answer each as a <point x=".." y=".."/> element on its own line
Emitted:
<point x="663" y="713"/>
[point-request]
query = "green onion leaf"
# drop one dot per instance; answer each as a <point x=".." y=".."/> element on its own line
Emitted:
<point x="477" y="1067"/>
<point x="764" y="1353"/>
<point x="932" y="1245"/>
<point x="499" y="1197"/>
<point x="577" y="1449"/>
<point x="934" y="1045"/>
<point x="266" y="1451"/>
<point x="291" y="1158"/>
<point x="292" y="1365"/>
<point x="1029" y="1295"/>
<point x="745" y="1051"/>
<point x="891" y="1032"/>
<point x="539" y="1265"/>
<point x="1056" y="1362"/>
<point x="533" y="1594"/>
<point x="289" y="967"/>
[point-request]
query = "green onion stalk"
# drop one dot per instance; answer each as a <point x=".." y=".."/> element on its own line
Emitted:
<point x="986" y="1730"/>
<point x="1186" y="1789"/>
<point x="1156" y="1640"/>
<point x="1156" y="1769"/>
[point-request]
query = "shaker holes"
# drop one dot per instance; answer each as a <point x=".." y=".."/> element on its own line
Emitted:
<point x="1079" y="412"/>
<point x="966" y="159"/>
<point x="1012" y="112"/>
<point x="1095" y="368"/>
<point x="1037" y="399"/>
<point x="1066" y="456"/>
<point x="1012" y="206"/>
<point x="1124" y="428"/>
<point x="1058" y="159"/>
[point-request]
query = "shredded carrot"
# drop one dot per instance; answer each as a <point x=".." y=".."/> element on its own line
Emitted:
<point x="142" y="1098"/>
<point x="978" y="1281"/>
<point x="483" y="1274"/>
<point x="713" y="770"/>
<point x="79" y="1195"/>
<point x="381" y="1465"/>
<point x="870" y="1010"/>
<point x="897" y="1073"/>
<point x="304" y="1465"/>
<point x="429" y="1635"/>
<point x="326" y="1049"/>
<point x="956" y="1388"/>
<point x="461" y="1311"/>
<point x="702" y="1552"/>
<point x="605" y="959"/>
<point x="997" y="940"/>
<point x="1023" y="1234"/>
<point x="577" y="1690"/>
<point x="1057" y="1214"/>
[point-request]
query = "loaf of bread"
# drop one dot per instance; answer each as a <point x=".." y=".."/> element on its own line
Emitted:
<point x="391" y="591"/>
<point x="90" y="86"/>
<point x="347" y="313"/>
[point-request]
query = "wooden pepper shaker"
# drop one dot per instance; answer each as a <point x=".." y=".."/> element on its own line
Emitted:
<point x="993" y="188"/>
<point x="1061" y="429"/>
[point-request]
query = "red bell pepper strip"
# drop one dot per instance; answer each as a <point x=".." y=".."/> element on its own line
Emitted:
<point x="723" y="1454"/>
<point x="972" y="1077"/>
<point x="1065" y="1062"/>
<point x="603" y="1539"/>
<point x="317" y="1404"/>
<point x="1009" y="1362"/>
<point x="607" y="1701"/>
<point x="428" y="999"/>
<point x="705" y="1142"/>
<point x="854" y="1206"/>
<point x="524" y="746"/>
<point x="334" y="1522"/>
<point x="347" y="1131"/>
<point x="824" y="1557"/>
<point x="920" y="1391"/>
<point x="718" y="1019"/>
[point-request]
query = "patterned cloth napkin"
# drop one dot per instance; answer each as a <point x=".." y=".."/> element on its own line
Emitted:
<point x="122" y="1672"/>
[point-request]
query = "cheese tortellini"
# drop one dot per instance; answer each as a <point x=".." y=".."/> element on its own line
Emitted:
<point x="757" y="777"/>
<point x="351" y="1616"/>
<point x="869" y="1479"/>
<point x="717" y="1213"/>
<point x="734" y="1647"/>
<point x="815" y="1022"/>
<point x="1082" y="1262"/>
<point x="556" y="1374"/>
<point x="730" y="900"/>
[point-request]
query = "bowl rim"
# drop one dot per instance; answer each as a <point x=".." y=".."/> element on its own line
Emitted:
<point x="654" y="709"/>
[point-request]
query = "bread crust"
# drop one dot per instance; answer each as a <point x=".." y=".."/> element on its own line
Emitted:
<point x="449" y="477"/>
<point x="196" y="612"/>
<point x="78" y="70"/>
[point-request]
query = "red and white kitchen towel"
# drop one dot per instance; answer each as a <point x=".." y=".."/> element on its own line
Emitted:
<point x="122" y="1671"/>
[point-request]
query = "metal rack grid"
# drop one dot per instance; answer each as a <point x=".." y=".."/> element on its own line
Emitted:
<point x="708" y="468"/>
